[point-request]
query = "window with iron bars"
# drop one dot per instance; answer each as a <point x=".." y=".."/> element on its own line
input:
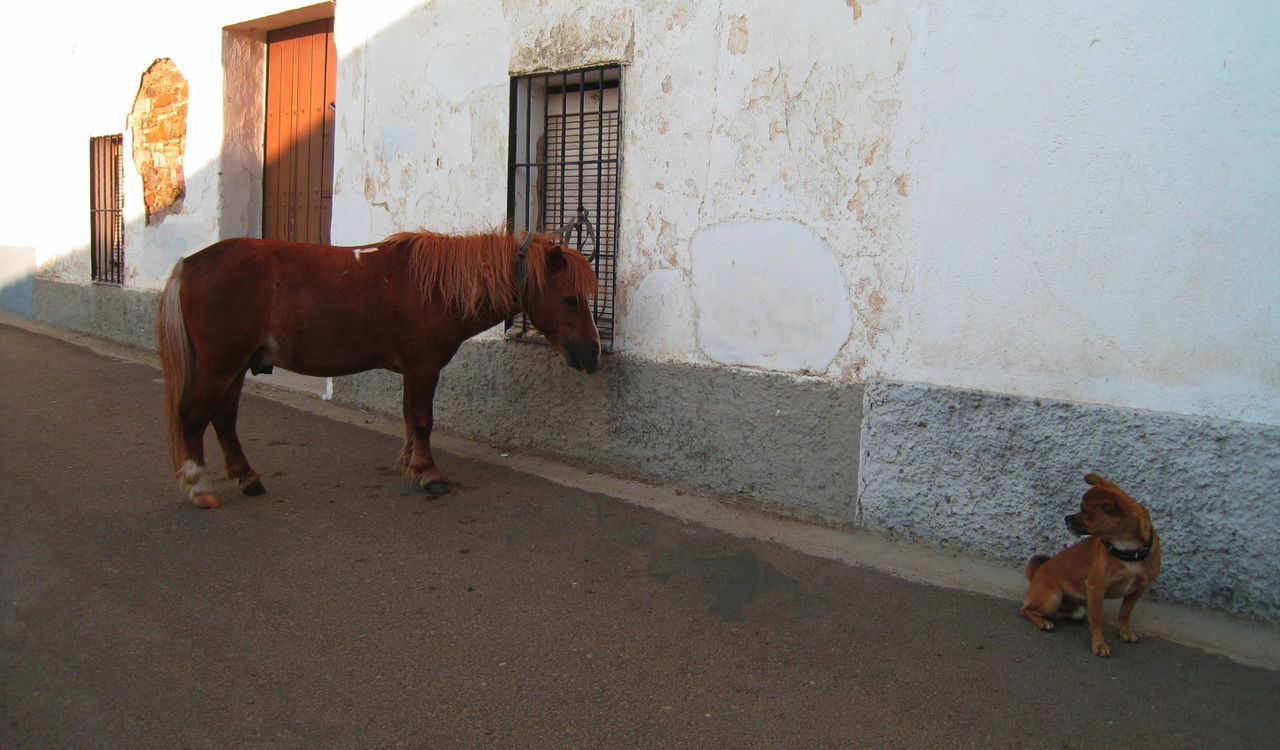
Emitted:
<point x="106" y="208"/>
<point x="566" y="134"/>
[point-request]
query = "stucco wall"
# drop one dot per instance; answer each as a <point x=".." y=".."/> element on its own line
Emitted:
<point x="1094" y="209"/>
<point x="1072" y="202"/>
<point x="1005" y="194"/>
<point x="82" y="82"/>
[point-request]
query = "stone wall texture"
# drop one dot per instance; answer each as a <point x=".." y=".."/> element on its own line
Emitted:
<point x="996" y="474"/>
<point x="159" y="125"/>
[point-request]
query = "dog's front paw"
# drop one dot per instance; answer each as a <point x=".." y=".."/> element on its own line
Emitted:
<point x="1128" y="636"/>
<point x="1100" y="648"/>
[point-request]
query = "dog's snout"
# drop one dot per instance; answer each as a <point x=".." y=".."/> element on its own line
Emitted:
<point x="1075" y="526"/>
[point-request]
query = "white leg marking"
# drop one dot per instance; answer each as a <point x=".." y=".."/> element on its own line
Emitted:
<point x="191" y="472"/>
<point x="194" y="475"/>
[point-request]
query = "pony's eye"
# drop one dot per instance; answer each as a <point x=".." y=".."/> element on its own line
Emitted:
<point x="570" y="301"/>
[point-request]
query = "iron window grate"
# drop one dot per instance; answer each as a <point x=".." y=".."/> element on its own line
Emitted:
<point x="565" y="143"/>
<point x="106" y="208"/>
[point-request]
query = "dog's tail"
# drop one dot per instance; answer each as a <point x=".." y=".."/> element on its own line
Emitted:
<point x="1034" y="563"/>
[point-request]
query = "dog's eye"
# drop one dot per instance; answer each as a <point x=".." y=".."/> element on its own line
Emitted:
<point x="571" y="302"/>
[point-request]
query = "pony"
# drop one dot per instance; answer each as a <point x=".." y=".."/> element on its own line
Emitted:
<point x="404" y="304"/>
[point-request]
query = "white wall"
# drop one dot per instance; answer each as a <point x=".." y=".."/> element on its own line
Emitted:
<point x="421" y="121"/>
<point x="1071" y="201"/>
<point x="1078" y="202"/>
<point x="1094" y="210"/>
<point x="81" y="81"/>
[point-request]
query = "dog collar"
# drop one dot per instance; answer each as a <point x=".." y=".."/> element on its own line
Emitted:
<point x="1128" y="555"/>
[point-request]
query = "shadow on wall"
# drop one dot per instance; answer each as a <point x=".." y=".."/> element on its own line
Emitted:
<point x="17" y="280"/>
<point x="59" y="291"/>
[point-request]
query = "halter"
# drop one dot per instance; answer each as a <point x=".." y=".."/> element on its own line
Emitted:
<point x="522" y="269"/>
<point x="580" y="223"/>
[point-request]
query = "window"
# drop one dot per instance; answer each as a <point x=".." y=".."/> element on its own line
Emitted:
<point x="564" y="151"/>
<point x="106" y="208"/>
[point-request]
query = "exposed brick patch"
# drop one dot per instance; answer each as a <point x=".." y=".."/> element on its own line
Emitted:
<point x="159" y="125"/>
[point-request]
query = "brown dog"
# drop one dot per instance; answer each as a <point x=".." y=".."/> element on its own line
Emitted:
<point x="1119" y="557"/>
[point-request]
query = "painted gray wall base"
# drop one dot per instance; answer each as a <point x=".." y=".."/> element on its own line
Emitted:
<point x="125" y="316"/>
<point x="772" y="438"/>
<point x="996" y="475"/>
<point x="17" y="271"/>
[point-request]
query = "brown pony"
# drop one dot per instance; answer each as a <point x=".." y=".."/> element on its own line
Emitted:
<point x="404" y="304"/>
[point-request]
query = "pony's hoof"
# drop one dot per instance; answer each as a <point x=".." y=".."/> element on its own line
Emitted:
<point x="204" y="500"/>
<point x="435" y="487"/>
<point x="254" y="488"/>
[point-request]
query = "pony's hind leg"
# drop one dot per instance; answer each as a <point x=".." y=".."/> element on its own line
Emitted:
<point x="192" y="472"/>
<point x="224" y="424"/>
<point x="195" y="411"/>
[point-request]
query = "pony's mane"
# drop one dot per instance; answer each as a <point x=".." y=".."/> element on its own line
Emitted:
<point x="477" y="272"/>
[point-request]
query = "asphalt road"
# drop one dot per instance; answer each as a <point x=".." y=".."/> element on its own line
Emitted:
<point x="344" y="609"/>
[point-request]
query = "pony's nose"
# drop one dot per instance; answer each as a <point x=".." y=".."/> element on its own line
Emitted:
<point x="583" y="357"/>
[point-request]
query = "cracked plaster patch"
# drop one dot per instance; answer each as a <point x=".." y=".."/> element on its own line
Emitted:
<point x="769" y="294"/>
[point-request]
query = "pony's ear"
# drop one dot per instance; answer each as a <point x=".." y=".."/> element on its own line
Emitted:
<point x="555" y="259"/>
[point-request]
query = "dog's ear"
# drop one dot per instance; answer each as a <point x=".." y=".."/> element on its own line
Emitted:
<point x="1102" y="500"/>
<point x="1098" y="480"/>
<point x="1145" y="528"/>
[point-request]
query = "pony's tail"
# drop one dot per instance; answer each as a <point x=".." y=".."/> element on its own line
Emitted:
<point x="177" y="360"/>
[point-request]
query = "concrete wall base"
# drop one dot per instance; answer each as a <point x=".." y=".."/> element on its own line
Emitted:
<point x="766" y="437"/>
<point x="996" y="474"/>
<point x="125" y="316"/>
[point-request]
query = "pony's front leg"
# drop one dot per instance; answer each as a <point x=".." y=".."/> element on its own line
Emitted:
<point x="419" y="393"/>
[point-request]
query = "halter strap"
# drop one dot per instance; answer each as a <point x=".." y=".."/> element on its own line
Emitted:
<point x="585" y="229"/>
<point x="522" y="269"/>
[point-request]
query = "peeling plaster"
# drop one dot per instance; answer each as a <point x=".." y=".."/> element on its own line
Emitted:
<point x="838" y="117"/>
<point x="784" y="122"/>
<point x="739" y="36"/>
<point x="159" y="125"/>
<point x="565" y="42"/>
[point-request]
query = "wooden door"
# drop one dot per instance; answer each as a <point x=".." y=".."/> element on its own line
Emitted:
<point x="298" y="171"/>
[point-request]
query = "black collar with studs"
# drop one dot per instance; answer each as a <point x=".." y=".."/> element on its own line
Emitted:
<point x="1128" y="555"/>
